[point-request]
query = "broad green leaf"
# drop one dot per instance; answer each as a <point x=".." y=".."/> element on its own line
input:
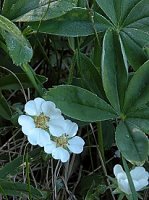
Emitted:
<point x="140" y="118"/>
<point x="114" y="69"/>
<point x="109" y="8"/>
<point x="132" y="142"/>
<point x="36" y="10"/>
<point x="139" y="36"/>
<point x="16" y="8"/>
<point x="137" y="93"/>
<point x="140" y="11"/>
<point x="77" y="22"/>
<point x="19" y="48"/>
<point x="5" y="111"/>
<point x="116" y="10"/>
<point x="80" y="104"/>
<point x="142" y="124"/>
<point x="126" y="7"/>
<point x="134" y="51"/>
<point x="9" y="82"/>
<point x="89" y="74"/>
<point x="19" y="189"/>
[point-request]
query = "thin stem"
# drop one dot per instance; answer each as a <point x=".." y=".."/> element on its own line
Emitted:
<point x="132" y="188"/>
<point x="100" y="139"/>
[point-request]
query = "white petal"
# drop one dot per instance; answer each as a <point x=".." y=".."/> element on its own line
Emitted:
<point x="27" y="124"/>
<point x="39" y="101"/>
<point x="71" y="128"/>
<point x="121" y="176"/>
<point x="76" y="144"/>
<point x="48" y="148"/>
<point x="43" y="138"/>
<point x="33" y="136"/>
<point x="50" y="110"/>
<point x="61" y="154"/>
<point x="26" y="130"/>
<point x="118" y="169"/>
<point x="27" y="121"/>
<point x="138" y="173"/>
<point x="124" y="186"/>
<point x="30" y="108"/>
<point x="140" y="184"/>
<point x="56" y="126"/>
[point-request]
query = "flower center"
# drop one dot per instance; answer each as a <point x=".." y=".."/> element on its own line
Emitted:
<point x="61" y="141"/>
<point x="41" y="121"/>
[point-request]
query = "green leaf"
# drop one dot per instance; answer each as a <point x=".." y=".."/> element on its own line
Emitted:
<point x="114" y="69"/>
<point x="136" y="15"/>
<point x="19" y="48"/>
<point x="9" y="82"/>
<point x="132" y="142"/>
<point x="134" y="51"/>
<point x="5" y="111"/>
<point x="77" y="22"/>
<point x="80" y="104"/>
<point x="89" y="74"/>
<point x="109" y="8"/>
<point x="137" y="93"/>
<point x="19" y="189"/>
<point x="126" y="7"/>
<point x="36" y="10"/>
<point x="142" y="124"/>
<point x="140" y="118"/>
<point x="139" y="36"/>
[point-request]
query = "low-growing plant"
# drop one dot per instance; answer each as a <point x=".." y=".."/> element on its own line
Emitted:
<point x="74" y="99"/>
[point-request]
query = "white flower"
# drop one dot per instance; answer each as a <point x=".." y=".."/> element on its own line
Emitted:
<point x="39" y="115"/>
<point x="64" y="140"/>
<point x="139" y="177"/>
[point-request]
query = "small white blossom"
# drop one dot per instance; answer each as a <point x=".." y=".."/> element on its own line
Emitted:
<point x="39" y="115"/>
<point x="139" y="177"/>
<point x="63" y="140"/>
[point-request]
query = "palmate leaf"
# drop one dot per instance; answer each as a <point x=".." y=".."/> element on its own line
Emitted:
<point x="132" y="142"/>
<point x="36" y="10"/>
<point x="132" y="25"/>
<point x="122" y="16"/>
<point x="114" y="69"/>
<point x="130" y="133"/>
<point x="19" y="48"/>
<point x="80" y="104"/>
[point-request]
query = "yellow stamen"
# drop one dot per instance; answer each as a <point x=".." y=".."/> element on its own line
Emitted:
<point x="41" y="121"/>
<point x="61" y="141"/>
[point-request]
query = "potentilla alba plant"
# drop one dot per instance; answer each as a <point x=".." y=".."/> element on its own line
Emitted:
<point x="139" y="177"/>
<point x="40" y="114"/>
<point x="63" y="140"/>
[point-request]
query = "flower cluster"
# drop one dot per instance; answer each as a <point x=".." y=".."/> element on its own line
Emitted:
<point x="44" y="125"/>
<point x="139" y="177"/>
